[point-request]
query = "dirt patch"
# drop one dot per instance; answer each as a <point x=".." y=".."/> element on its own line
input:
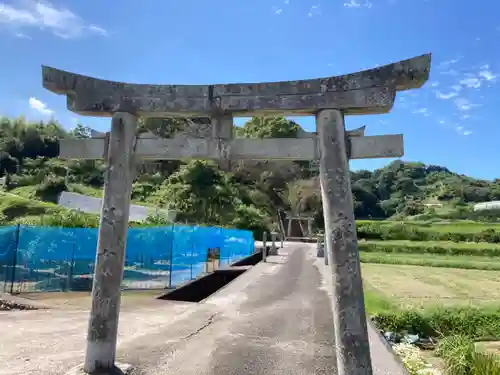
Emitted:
<point x="11" y="305"/>
<point x="131" y="299"/>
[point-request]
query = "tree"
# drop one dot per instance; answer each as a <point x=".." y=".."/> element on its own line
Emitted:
<point x="8" y="165"/>
<point x="81" y="131"/>
<point x="270" y="127"/>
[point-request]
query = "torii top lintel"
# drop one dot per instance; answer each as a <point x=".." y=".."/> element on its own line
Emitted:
<point x="367" y="92"/>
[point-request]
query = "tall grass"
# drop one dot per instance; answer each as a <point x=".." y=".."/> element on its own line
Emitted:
<point x="461" y="357"/>
<point x="476" y="323"/>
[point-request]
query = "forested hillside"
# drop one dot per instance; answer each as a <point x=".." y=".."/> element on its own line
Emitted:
<point x="249" y="196"/>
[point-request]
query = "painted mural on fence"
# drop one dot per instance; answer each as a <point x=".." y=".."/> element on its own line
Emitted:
<point x="53" y="259"/>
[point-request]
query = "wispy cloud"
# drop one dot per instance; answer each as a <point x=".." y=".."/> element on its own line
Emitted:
<point x="435" y="84"/>
<point x="357" y="4"/>
<point x="475" y="79"/>
<point x="315" y="10"/>
<point x="21" y="35"/>
<point x="447" y="63"/>
<point x="462" y="131"/>
<point x="43" y="15"/>
<point x="422" y="111"/>
<point x="40" y="107"/>
<point x="472" y="82"/>
<point x="463" y="104"/>
<point x="277" y="11"/>
<point x="445" y="96"/>
<point x="487" y="75"/>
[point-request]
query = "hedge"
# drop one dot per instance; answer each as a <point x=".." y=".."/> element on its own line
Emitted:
<point x="430" y="247"/>
<point x="375" y="231"/>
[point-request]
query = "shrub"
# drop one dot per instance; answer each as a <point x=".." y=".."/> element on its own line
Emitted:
<point x="476" y="323"/>
<point x="71" y="219"/>
<point x="50" y="189"/>
<point x="423" y="247"/>
<point x="377" y="231"/>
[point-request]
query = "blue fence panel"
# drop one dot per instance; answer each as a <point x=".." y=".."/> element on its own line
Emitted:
<point x="54" y="259"/>
<point x="190" y="250"/>
<point x="238" y="244"/>
<point x="8" y="245"/>
<point x="148" y="258"/>
<point x="49" y="258"/>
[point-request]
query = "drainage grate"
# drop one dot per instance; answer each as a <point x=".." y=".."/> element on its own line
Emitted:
<point x="204" y="287"/>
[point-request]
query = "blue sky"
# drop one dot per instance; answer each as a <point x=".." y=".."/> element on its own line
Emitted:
<point x="450" y="121"/>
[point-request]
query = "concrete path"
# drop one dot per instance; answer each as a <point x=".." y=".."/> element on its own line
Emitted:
<point x="273" y="319"/>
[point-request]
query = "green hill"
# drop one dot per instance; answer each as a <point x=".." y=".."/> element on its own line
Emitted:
<point x="249" y="196"/>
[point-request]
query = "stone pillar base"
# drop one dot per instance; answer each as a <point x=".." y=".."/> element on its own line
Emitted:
<point x="119" y="369"/>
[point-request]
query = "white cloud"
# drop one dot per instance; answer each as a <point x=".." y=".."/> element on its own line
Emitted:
<point x="356" y="4"/>
<point x="352" y="4"/>
<point x="462" y="131"/>
<point x="315" y="11"/>
<point x="422" y="111"/>
<point x="434" y="84"/>
<point x="444" y="96"/>
<point x="98" y="30"/>
<point x="21" y="35"/>
<point x="286" y="2"/>
<point x="449" y="62"/>
<point x="43" y="15"/>
<point x="278" y="11"/>
<point x="487" y="75"/>
<point x="456" y="87"/>
<point x="475" y="80"/>
<point x="472" y="83"/>
<point x="464" y="105"/>
<point x="450" y="72"/>
<point x="40" y="107"/>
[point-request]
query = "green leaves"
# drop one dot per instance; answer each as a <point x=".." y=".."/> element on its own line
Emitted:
<point x="270" y="127"/>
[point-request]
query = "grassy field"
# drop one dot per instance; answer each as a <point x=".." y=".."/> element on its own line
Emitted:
<point x="432" y="260"/>
<point x="13" y="207"/>
<point x="424" y="287"/>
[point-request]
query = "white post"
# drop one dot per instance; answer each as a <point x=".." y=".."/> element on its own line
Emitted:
<point x="264" y="246"/>
<point x="349" y="316"/>
<point x="273" y="241"/>
<point x="320" y="250"/>
<point x="108" y="274"/>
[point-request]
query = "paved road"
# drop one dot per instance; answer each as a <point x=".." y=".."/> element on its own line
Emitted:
<point x="278" y="323"/>
<point x="273" y="319"/>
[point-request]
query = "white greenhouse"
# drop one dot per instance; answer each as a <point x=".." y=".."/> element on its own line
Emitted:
<point x="493" y="205"/>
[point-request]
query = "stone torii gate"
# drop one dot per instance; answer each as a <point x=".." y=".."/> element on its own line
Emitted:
<point x="328" y="99"/>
